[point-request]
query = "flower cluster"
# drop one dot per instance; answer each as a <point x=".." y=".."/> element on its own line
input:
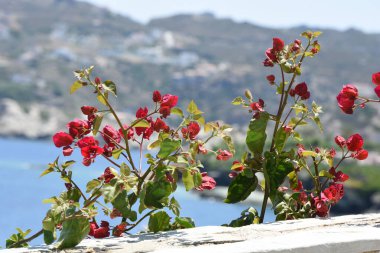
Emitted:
<point x="349" y="95"/>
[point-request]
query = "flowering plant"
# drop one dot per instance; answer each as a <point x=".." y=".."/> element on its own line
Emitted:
<point x="130" y="191"/>
<point x="280" y="163"/>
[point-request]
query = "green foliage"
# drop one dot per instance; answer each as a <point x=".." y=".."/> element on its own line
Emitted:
<point x="240" y="188"/>
<point x="74" y="230"/>
<point x="256" y="134"/>
<point x="159" y="221"/>
<point x="248" y="216"/>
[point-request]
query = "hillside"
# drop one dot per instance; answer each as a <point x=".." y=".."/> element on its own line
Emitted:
<point x="195" y="56"/>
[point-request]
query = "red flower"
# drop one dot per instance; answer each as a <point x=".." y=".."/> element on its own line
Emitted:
<point x="107" y="175"/>
<point x="169" y="100"/>
<point x="334" y="193"/>
<point x="257" y="106"/>
<point x="89" y="149"/>
<point x="142" y="112"/>
<point x="156" y="96"/>
<point x="101" y="232"/>
<point x="223" y="155"/>
<point x="88" y="110"/>
<point x="321" y="208"/>
<point x="355" y="142"/>
<point x="298" y="187"/>
<point x="98" y="80"/>
<point x="298" y="42"/>
<point x="340" y="141"/>
<point x="78" y="128"/>
<point x="191" y="131"/>
<point x="271" y="55"/>
<point x="93" y="227"/>
<point x="67" y="151"/>
<point x="287" y="129"/>
<point x="130" y="132"/>
<point x="278" y="44"/>
<point x="361" y="154"/>
<point x="301" y="90"/>
<point x="165" y="111"/>
<point x="268" y="63"/>
<point x="62" y="139"/>
<point x="208" y="183"/>
<point x="271" y="79"/>
<point x="376" y="78"/>
<point x="87" y="141"/>
<point x="202" y="149"/>
<point x="119" y="229"/>
<point x="377" y="91"/>
<point x="159" y="125"/>
<point x="346" y="98"/>
<point x="340" y="177"/>
<point x="110" y="135"/>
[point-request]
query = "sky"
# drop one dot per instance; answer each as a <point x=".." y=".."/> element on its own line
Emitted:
<point x="338" y="14"/>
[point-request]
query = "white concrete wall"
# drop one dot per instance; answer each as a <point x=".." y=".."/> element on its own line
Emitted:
<point x="344" y="234"/>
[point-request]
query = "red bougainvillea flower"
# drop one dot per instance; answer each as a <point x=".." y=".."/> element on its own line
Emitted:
<point x="67" y="151"/>
<point x="340" y="177"/>
<point x="191" y="131"/>
<point x="223" y="155"/>
<point x="377" y="91"/>
<point x="159" y="125"/>
<point x="355" y="142"/>
<point x="271" y="79"/>
<point x="89" y="149"/>
<point x="298" y="187"/>
<point x="258" y="106"/>
<point x="334" y="193"/>
<point x="98" y="80"/>
<point x="361" y="154"/>
<point x="346" y="98"/>
<point x="232" y="174"/>
<point x="87" y="141"/>
<point x="376" y="78"/>
<point x="301" y="90"/>
<point x="169" y="100"/>
<point x="208" y="183"/>
<point x="202" y="149"/>
<point x="278" y="44"/>
<point x="88" y="110"/>
<point x="107" y="175"/>
<point x="130" y="133"/>
<point x="100" y="232"/>
<point x="300" y="150"/>
<point x="78" y="128"/>
<point x="271" y="55"/>
<point x="320" y="205"/>
<point x="141" y="112"/>
<point x="119" y="229"/>
<point x="62" y="139"/>
<point x="287" y="129"/>
<point x="268" y="63"/>
<point x="156" y="96"/>
<point x="115" y="213"/>
<point x="340" y="141"/>
<point x="111" y="136"/>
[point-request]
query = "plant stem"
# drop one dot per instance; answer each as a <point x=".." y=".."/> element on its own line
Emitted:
<point x="16" y="244"/>
<point x="140" y="220"/>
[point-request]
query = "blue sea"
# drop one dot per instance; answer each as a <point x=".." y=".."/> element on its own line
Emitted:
<point x="22" y="190"/>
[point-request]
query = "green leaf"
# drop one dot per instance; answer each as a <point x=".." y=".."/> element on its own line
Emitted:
<point x="167" y="147"/>
<point x="325" y="173"/>
<point x="91" y="185"/>
<point x="240" y="188"/>
<point x="281" y="137"/>
<point x="276" y="169"/>
<point x="238" y="101"/>
<point x="97" y="122"/>
<point x="102" y="99"/>
<point x="188" y="180"/>
<point x="67" y="164"/>
<point x="256" y="135"/>
<point x="49" y="230"/>
<point x="121" y="203"/>
<point x="154" y="144"/>
<point x="177" y="111"/>
<point x="316" y="34"/>
<point x="159" y="221"/>
<point x="228" y="140"/>
<point x="317" y="121"/>
<point x="116" y="153"/>
<point x="140" y="123"/>
<point x="75" y="86"/>
<point x="125" y="170"/>
<point x="307" y="153"/>
<point x="193" y="108"/>
<point x="47" y="171"/>
<point x="74" y="230"/>
<point x="111" y="190"/>
<point x="248" y="94"/>
<point x="110" y="86"/>
<point x="248" y="216"/>
<point x="157" y="193"/>
<point x="174" y="206"/>
<point x="184" y="222"/>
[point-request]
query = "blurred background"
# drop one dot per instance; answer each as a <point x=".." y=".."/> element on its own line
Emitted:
<point x="203" y="50"/>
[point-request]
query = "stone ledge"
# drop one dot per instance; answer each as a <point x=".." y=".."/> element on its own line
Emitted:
<point x="346" y="234"/>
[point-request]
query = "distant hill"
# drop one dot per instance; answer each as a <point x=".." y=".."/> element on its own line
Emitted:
<point x="198" y="57"/>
